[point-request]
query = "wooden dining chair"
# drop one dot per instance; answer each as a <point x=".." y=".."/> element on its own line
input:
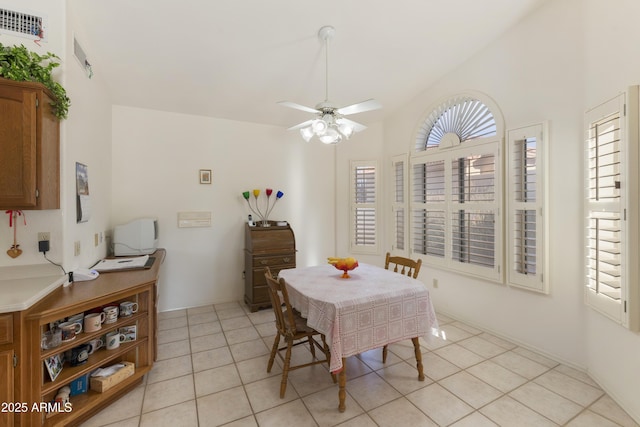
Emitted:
<point x="291" y="326"/>
<point x="405" y="266"/>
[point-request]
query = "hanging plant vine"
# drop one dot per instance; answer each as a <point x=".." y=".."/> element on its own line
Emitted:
<point x="19" y="64"/>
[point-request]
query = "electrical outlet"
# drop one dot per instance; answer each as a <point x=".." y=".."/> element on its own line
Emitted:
<point x="95" y="239"/>
<point x="435" y="283"/>
<point x="76" y="248"/>
<point x="44" y="235"/>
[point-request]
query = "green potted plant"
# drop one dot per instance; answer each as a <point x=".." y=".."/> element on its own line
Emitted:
<point x="18" y="63"/>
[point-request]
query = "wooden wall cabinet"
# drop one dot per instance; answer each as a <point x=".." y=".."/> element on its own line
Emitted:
<point x="273" y="247"/>
<point x="29" y="147"/>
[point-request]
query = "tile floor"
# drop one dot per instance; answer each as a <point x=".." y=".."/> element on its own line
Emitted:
<point x="211" y="371"/>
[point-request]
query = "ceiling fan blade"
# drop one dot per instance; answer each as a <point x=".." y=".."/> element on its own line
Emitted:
<point x="357" y="127"/>
<point x="298" y="107"/>
<point x="301" y="125"/>
<point x="360" y="107"/>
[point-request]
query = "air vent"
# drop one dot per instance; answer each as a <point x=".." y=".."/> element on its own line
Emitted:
<point x="22" y="24"/>
<point x="81" y="56"/>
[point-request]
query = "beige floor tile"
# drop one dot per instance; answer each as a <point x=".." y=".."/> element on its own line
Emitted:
<point x="223" y="407"/>
<point x="172" y="323"/>
<point x="242" y="334"/>
<point x="356" y="368"/>
<point x="210" y="359"/>
<point x="288" y="414"/>
<point x="230" y="313"/>
<point x="171" y="335"/>
<point x="444" y="319"/>
<point x="403" y="377"/>
<point x="230" y="305"/>
<point x="206" y="317"/>
<point x="497" y="376"/>
<point x="536" y="357"/>
<point x="201" y="309"/>
<point x="363" y="420"/>
<point x="609" y="409"/>
<point x="482" y="347"/>
<point x="249" y="421"/>
<point x="546" y="402"/>
<point x="173" y="349"/>
<point x="255" y="369"/>
<point x="590" y="419"/>
<point x="436" y="368"/>
<point x="170" y="368"/>
<point x="202" y="329"/>
<point x="470" y="389"/>
<point x="371" y="391"/>
<point x="262" y="316"/>
<point x="576" y="374"/>
<point x="453" y="333"/>
<point x="216" y="379"/>
<point x="183" y="415"/>
<point x="168" y="393"/>
<point x="323" y="405"/>
<point x="267" y="329"/>
<point x="127" y="407"/>
<point x="310" y="379"/>
<point x="475" y="419"/>
<point x="568" y="387"/>
<point x="400" y="412"/>
<point x="170" y="314"/>
<point x="498" y="341"/>
<point x="439" y="404"/>
<point x="265" y="394"/>
<point x="464" y="326"/>
<point x="508" y="412"/>
<point x="249" y="350"/>
<point x="459" y="356"/>
<point x="231" y="324"/>
<point x="208" y="342"/>
<point x="373" y="358"/>
<point x="521" y="365"/>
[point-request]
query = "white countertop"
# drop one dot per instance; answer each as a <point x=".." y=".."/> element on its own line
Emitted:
<point x="24" y="285"/>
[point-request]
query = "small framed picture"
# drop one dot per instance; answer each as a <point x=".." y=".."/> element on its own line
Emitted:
<point x="54" y="366"/>
<point x="205" y="176"/>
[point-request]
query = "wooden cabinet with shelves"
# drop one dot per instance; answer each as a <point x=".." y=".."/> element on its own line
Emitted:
<point x="7" y="361"/>
<point x="273" y="247"/>
<point x="29" y="147"/>
<point x="109" y="288"/>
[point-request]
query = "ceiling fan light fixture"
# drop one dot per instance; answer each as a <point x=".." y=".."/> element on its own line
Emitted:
<point x="331" y="136"/>
<point x="319" y="126"/>
<point x="346" y="130"/>
<point x="307" y="133"/>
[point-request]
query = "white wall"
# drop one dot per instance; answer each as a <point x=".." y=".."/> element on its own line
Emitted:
<point x="156" y="159"/>
<point x="85" y="137"/>
<point x="536" y="72"/>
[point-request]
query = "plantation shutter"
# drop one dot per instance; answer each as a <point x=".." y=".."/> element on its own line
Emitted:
<point x="611" y="228"/>
<point x="527" y="210"/>
<point x="399" y="204"/>
<point x="364" y="208"/>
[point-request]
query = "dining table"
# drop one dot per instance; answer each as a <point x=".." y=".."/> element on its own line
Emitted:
<point x="371" y="308"/>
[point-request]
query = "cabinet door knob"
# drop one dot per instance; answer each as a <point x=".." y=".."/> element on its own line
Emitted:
<point x="286" y="259"/>
<point x="263" y="262"/>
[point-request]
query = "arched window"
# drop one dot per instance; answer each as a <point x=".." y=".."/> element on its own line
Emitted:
<point x="457" y="187"/>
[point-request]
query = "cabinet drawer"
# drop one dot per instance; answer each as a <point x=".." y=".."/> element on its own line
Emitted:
<point x="268" y="261"/>
<point x="6" y="328"/>
<point x="258" y="274"/>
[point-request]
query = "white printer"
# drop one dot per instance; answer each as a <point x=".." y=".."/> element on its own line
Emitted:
<point x="138" y="237"/>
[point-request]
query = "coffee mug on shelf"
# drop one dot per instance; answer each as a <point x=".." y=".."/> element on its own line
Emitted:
<point x="127" y="308"/>
<point x="77" y="355"/>
<point x="69" y="330"/>
<point x="111" y="313"/>
<point x="76" y="318"/>
<point x="113" y="340"/>
<point x="95" y="344"/>
<point x="93" y="322"/>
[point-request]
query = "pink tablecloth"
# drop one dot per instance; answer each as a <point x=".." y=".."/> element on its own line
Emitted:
<point x="372" y="308"/>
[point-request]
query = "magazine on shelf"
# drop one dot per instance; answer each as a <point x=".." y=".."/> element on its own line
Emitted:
<point x="116" y="264"/>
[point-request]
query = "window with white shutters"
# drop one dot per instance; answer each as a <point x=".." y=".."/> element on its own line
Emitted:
<point x="364" y="211"/>
<point x="399" y="204"/>
<point x="527" y="208"/>
<point x="456" y="188"/>
<point x="611" y="209"/>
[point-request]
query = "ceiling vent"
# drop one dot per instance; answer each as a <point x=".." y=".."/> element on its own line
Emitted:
<point x="22" y="24"/>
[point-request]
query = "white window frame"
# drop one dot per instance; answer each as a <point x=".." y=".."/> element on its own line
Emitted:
<point x="527" y="267"/>
<point x="450" y="148"/>
<point x="354" y="225"/>
<point x="399" y="205"/>
<point x="623" y="310"/>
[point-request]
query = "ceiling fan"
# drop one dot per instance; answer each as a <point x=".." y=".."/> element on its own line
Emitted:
<point x="330" y="125"/>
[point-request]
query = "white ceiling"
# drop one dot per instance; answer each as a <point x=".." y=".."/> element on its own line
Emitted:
<point x="235" y="59"/>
